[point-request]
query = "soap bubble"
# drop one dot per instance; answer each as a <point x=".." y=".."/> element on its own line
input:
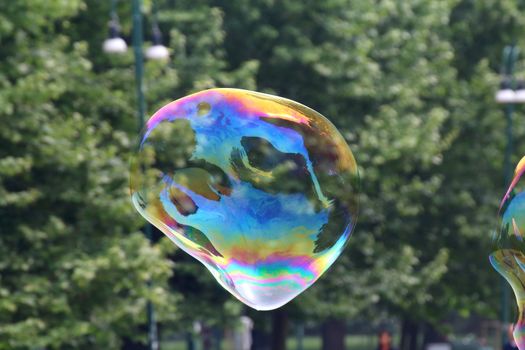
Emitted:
<point x="262" y="190"/>
<point x="508" y="257"/>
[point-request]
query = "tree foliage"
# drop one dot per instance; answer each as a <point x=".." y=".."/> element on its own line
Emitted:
<point x="409" y="84"/>
<point x="392" y="77"/>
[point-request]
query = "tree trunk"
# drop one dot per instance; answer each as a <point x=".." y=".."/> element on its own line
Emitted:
<point x="190" y="343"/>
<point x="333" y="334"/>
<point x="409" y="335"/>
<point x="261" y="337"/>
<point x="128" y="344"/>
<point x="300" y="336"/>
<point x="279" y="329"/>
<point x="432" y="335"/>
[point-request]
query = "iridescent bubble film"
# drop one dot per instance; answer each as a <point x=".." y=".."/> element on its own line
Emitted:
<point x="508" y="257"/>
<point x="262" y="190"/>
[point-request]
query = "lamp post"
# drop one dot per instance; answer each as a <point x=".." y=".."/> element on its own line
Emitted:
<point x="509" y="94"/>
<point x="153" y="342"/>
<point x="116" y="45"/>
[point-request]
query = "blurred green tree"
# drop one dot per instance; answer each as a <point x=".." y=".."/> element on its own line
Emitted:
<point x="73" y="264"/>
<point x="428" y="137"/>
<point x="409" y="84"/>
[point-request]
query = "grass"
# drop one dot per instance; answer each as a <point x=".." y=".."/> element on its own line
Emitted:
<point x="354" y="342"/>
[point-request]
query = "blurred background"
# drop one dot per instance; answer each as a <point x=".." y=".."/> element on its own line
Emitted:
<point x="429" y="95"/>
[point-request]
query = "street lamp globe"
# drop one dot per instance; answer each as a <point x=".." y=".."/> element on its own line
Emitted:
<point x="115" y="45"/>
<point x="520" y="92"/>
<point x="157" y="52"/>
<point x="505" y="94"/>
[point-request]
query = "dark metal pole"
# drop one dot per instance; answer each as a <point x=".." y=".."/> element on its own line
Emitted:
<point x="139" y="59"/>
<point x="508" y="176"/>
<point x="113" y="8"/>
<point x="153" y="342"/>
<point x="510" y="56"/>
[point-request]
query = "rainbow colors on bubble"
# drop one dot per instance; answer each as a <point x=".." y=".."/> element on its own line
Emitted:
<point x="260" y="189"/>
<point x="508" y="257"/>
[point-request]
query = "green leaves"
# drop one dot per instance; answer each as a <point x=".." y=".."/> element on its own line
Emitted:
<point x="428" y="139"/>
<point x="73" y="266"/>
<point x="409" y="84"/>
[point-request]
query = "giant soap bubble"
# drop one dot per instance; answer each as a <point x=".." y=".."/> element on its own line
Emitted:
<point x="508" y="257"/>
<point x="262" y="190"/>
